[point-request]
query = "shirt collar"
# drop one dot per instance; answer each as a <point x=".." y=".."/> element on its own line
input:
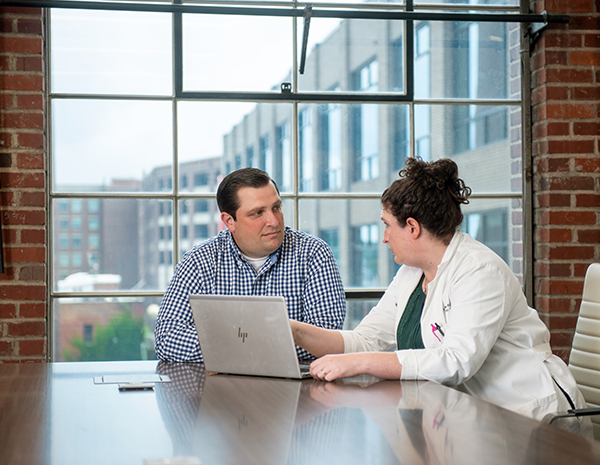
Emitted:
<point x="241" y="261"/>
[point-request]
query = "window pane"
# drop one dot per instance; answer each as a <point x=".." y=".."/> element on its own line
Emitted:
<point x="488" y="164"/>
<point x="356" y="310"/>
<point x="469" y="60"/>
<point x="257" y="57"/>
<point x="102" y="145"/>
<point x="260" y="138"/>
<point x="134" y="58"/>
<point x="354" y="231"/>
<point x="126" y="245"/>
<point x="104" y="329"/>
<point x="498" y="224"/>
<point x="199" y="219"/>
<point x="336" y="46"/>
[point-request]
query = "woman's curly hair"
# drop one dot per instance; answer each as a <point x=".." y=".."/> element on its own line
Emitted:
<point x="431" y="193"/>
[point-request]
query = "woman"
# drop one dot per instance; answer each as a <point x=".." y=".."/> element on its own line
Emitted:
<point x="454" y="313"/>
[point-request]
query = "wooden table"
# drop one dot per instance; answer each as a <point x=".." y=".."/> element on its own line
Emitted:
<point x="55" y="414"/>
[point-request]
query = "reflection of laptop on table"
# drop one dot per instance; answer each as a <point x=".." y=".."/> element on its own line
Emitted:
<point x="246" y="335"/>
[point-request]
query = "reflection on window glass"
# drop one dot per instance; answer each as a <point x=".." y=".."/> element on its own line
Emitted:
<point x="491" y="228"/>
<point x="332" y="237"/>
<point x="330" y="117"/>
<point x="103" y="329"/>
<point x="306" y="149"/>
<point x="283" y="168"/>
<point x="366" y="125"/>
<point x="365" y="239"/>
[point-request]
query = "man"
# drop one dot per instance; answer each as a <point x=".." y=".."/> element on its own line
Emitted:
<point x="256" y="255"/>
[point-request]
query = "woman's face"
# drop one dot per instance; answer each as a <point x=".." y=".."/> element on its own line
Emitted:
<point x="398" y="238"/>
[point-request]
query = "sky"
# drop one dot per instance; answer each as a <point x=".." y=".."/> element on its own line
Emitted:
<point x="92" y="137"/>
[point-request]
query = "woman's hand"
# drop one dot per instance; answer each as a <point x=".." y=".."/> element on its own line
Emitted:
<point x="380" y="364"/>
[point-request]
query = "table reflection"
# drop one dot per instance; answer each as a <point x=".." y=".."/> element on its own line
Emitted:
<point x="233" y="419"/>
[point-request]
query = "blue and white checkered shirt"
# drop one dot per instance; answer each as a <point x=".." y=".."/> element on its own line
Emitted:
<point x="303" y="271"/>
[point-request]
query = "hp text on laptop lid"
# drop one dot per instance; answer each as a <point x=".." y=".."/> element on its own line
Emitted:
<point x="246" y="335"/>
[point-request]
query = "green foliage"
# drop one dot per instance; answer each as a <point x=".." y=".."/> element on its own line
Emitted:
<point x="120" y="339"/>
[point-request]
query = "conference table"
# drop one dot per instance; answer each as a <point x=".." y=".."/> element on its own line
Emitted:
<point x="75" y="413"/>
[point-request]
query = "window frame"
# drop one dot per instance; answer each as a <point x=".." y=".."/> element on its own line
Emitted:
<point x="297" y="99"/>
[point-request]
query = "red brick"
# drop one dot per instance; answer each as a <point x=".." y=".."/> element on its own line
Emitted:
<point x="18" y="292"/>
<point x="29" y="63"/>
<point x="552" y="165"/>
<point x="572" y="217"/>
<point x="570" y="6"/>
<point x="33" y="236"/>
<point x="6" y="348"/>
<point x="560" y="287"/>
<point x="5" y="140"/>
<point x="553" y="39"/>
<point x="568" y="183"/>
<point x="23" y="217"/>
<point x="553" y="305"/>
<point x="587" y="165"/>
<point x="27" y="328"/>
<point x="579" y="269"/>
<point x="567" y="75"/>
<point x="21" y="44"/>
<point x="29" y="26"/>
<point x="30" y="140"/>
<point x="32" y="347"/>
<point x="553" y="235"/>
<point x="32" y="310"/>
<point x="19" y="10"/>
<point x="22" y="120"/>
<point x="30" y="161"/>
<point x="553" y="200"/>
<point x="586" y="129"/>
<point x="591" y="40"/>
<point x="21" y="82"/>
<point x="33" y="199"/>
<point x="22" y="180"/>
<point x="4" y="63"/>
<point x="8" y="310"/>
<point x="32" y="273"/>
<point x="583" y="22"/>
<point x="561" y="339"/>
<point x="570" y="110"/>
<point x="561" y="321"/>
<point x="587" y="200"/>
<point x="30" y="102"/>
<point x="6" y="101"/>
<point x="570" y="253"/>
<point x="588" y="236"/>
<point x="25" y="254"/>
<point x="585" y="93"/>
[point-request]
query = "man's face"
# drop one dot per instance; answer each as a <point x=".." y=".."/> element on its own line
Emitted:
<point x="258" y="227"/>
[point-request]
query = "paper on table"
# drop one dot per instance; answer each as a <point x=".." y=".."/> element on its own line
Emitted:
<point x="128" y="379"/>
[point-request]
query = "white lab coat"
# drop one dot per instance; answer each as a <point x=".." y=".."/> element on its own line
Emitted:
<point x="491" y="343"/>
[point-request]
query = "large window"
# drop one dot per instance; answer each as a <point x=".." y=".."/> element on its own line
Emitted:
<point x="149" y="110"/>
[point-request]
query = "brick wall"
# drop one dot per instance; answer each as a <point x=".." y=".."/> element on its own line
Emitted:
<point x="566" y="127"/>
<point x="23" y="335"/>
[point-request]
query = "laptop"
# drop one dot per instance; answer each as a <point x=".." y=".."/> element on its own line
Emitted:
<point x="246" y="335"/>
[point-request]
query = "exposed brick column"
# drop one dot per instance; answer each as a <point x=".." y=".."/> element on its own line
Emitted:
<point x="566" y="131"/>
<point x="23" y="333"/>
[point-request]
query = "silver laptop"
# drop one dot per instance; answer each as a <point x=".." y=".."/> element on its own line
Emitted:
<point x="246" y="335"/>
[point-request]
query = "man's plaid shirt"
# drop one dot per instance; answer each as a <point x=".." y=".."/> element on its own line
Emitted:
<point x="303" y="270"/>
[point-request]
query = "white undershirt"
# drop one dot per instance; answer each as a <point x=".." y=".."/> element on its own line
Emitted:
<point x="257" y="263"/>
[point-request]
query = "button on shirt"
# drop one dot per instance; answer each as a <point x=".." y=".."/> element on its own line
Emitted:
<point x="303" y="270"/>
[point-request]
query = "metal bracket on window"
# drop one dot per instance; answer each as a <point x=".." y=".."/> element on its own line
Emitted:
<point x="535" y="29"/>
<point x="307" y="15"/>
